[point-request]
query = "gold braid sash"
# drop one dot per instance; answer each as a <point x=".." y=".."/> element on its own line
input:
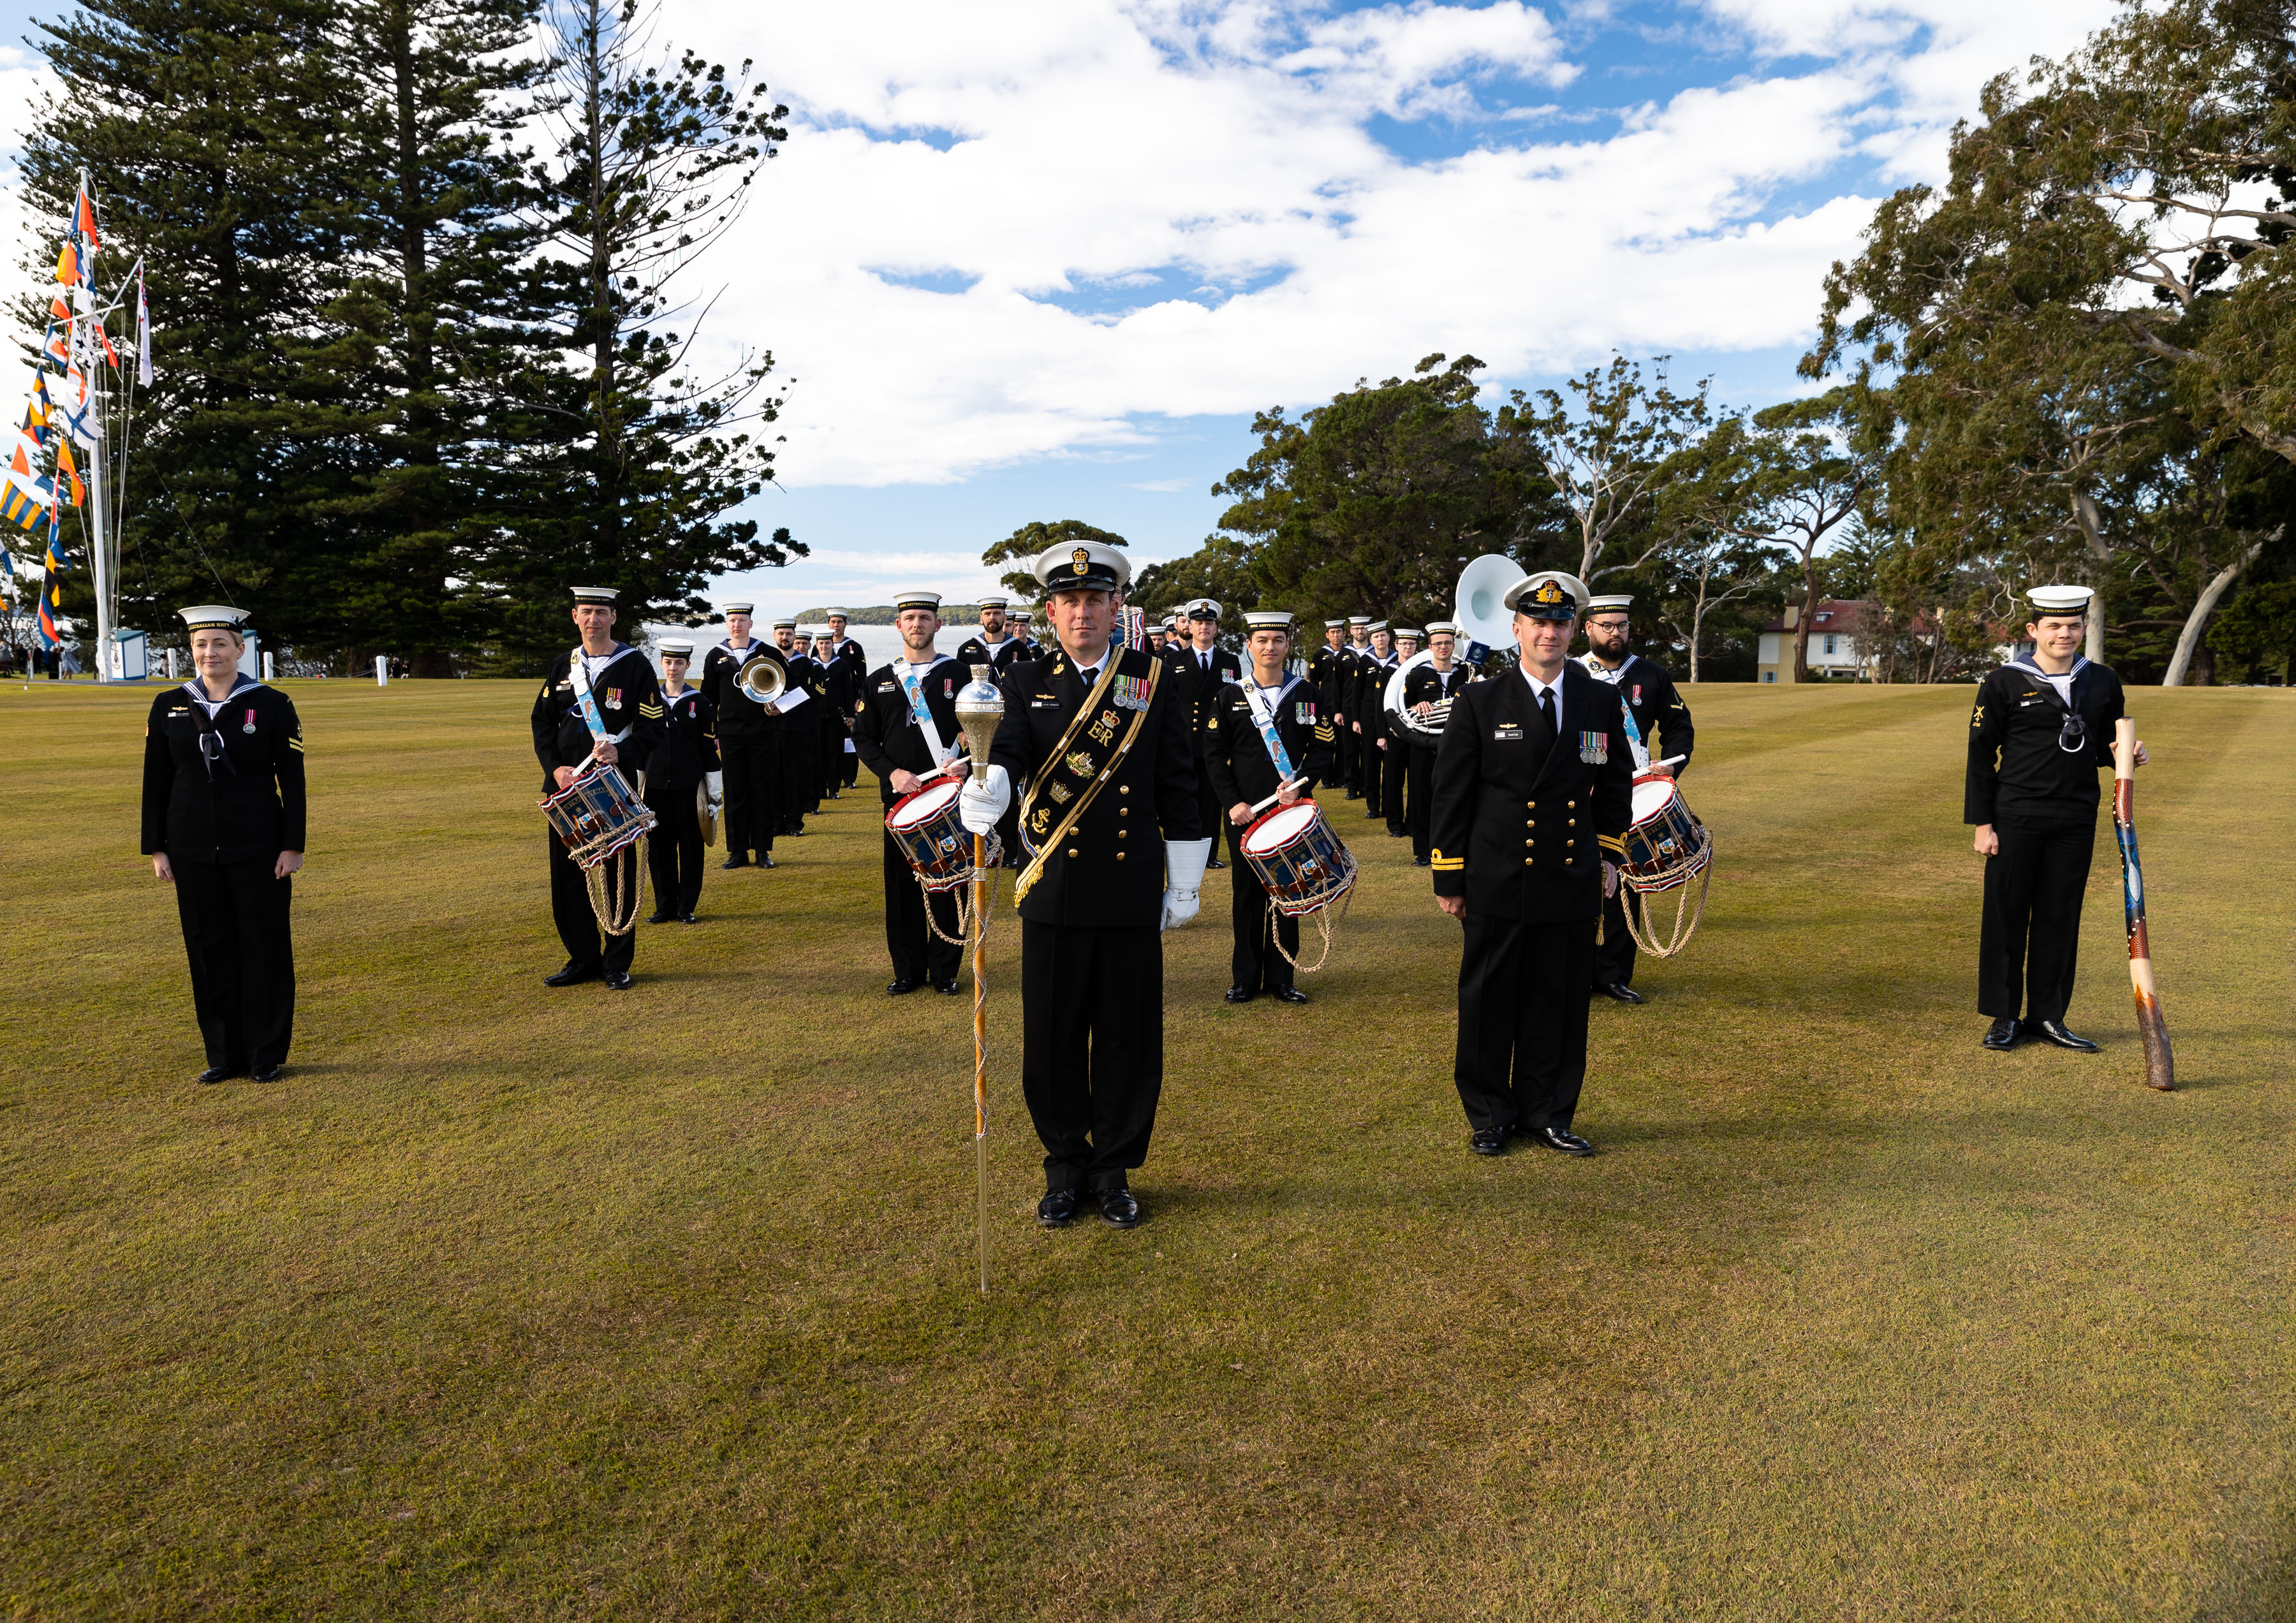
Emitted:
<point x="1072" y="773"/>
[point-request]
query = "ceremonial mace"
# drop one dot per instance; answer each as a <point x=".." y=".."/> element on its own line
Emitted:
<point x="2160" y="1062"/>
<point x="980" y="707"/>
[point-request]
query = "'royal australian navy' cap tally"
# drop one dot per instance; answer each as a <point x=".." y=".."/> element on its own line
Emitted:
<point x="212" y="617"/>
<point x="1595" y="605"/>
<point x="677" y="651"/>
<point x="1082" y="566"/>
<point x="916" y="600"/>
<point x="737" y="608"/>
<point x="1268" y="620"/>
<point x="2059" y="600"/>
<point x="603" y="596"/>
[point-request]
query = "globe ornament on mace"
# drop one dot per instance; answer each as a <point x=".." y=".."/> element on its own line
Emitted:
<point x="980" y="707"/>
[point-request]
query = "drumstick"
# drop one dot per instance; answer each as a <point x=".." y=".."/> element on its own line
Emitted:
<point x="1272" y="799"/>
<point x="1671" y="760"/>
<point x="2160" y="1062"/>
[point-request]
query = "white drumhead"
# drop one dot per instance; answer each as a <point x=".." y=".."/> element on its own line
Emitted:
<point x="925" y="805"/>
<point x="1651" y="798"/>
<point x="1280" y="828"/>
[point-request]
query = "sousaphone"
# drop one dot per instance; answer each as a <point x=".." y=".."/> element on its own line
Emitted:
<point x="1478" y="605"/>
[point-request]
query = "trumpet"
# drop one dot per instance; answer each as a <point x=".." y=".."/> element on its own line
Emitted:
<point x="762" y="679"/>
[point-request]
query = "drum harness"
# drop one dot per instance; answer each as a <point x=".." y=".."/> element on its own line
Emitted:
<point x="600" y="895"/>
<point x="1636" y="925"/>
<point x="921" y="713"/>
<point x="1263" y="713"/>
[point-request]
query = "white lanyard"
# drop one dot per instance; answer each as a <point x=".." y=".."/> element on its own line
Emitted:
<point x="1264" y="712"/>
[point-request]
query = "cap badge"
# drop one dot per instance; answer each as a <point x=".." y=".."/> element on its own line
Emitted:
<point x="1548" y="591"/>
<point x="1081" y="559"/>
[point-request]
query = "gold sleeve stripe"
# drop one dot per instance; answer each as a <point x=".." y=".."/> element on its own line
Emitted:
<point x="1612" y="842"/>
<point x="296" y="744"/>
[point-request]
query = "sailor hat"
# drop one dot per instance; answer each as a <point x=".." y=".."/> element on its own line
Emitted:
<point x="1435" y="628"/>
<point x="674" y="651"/>
<point x="1268" y="620"/>
<point x="993" y="600"/>
<point x="1621" y="602"/>
<point x="2059" y="600"/>
<point x="1336" y="625"/>
<point x="603" y="596"/>
<point x="789" y="620"/>
<point x="737" y="608"/>
<point x="916" y="600"/>
<point x="212" y="617"/>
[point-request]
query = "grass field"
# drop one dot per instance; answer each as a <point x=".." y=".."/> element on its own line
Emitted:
<point x="520" y="1304"/>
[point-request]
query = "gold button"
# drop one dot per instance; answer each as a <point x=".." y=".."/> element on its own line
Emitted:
<point x="1071" y="853"/>
<point x="1526" y="862"/>
<point x="1571" y="842"/>
<point x="1573" y="805"/>
<point x="1530" y="805"/>
<point x="1573" y="822"/>
<point x="1122" y="832"/>
<point x="1529" y="843"/>
<point x="1123" y="811"/>
<point x="1119" y="856"/>
<point x="1124" y="788"/>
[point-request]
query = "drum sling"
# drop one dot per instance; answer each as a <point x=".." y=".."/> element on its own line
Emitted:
<point x="596" y="876"/>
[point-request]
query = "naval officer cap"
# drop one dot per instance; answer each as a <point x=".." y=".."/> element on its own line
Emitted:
<point x="1548" y="596"/>
<point x="212" y="617"/>
<point x="737" y="608"/>
<point x="676" y="651"/>
<point x="1268" y="620"/>
<point x="1082" y="566"/>
<point x="918" y="598"/>
<point x="2059" y="600"/>
<point x="603" y="596"/>
<point x="1203" y="609"/>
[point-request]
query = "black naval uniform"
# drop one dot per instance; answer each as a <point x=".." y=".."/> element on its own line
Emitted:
<point x="2041" y="798"/>
<point x="1206" y="672"/>
<point x="1325" y="669"/>
<point x="1370" y="708"/>
<point x="629" y="702"/>
<point x="1416" y="776"/>
<point x="1241" y="771"/>
<point x="1651" y="699"/>
<point x="750" y="742"/>
<point x="1000" y="660"/>
<point x="1532" y="898"/>
<point x="801" y="743"/>
<point x="887" y="737"/>
<point x="835" y="715"/>
<point x="1092" y="957"/>
<point x="1343" y="693"/>
<point x="847" y="655"/>
<point x="223" y="826"/>
<point x="687" y="752"/>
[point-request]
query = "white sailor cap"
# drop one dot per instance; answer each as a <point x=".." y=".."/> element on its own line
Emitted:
<point x="1374" y="625"/>
<point x="1082" y="566"/>
<point x="815" y="633"/>
<point x="674" y="651"/>
<point x="1021" y="615"/>
<point x="836" y="614"/>
<point x="1402" y="632"/>
<point x="2059" y="600"/>
<point x="1435" y="628"/>
<point x="1360" y="619"/>
<point x="212" y="617"/>
<point x="603" y="596"/>
<point x="789" y="620"/>
<point x="1620" y="601"/>
<point x="1268" y="620"/>
<point x="916" y="599"/>
<point x="737" y="608"/>
<point x="1336" y="625"/>
<point x="1548" y="596"/>
<point x="993" y="600"/>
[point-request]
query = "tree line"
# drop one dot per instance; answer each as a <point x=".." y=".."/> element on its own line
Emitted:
<point x="2075" y="361"/>
<point x="423" y="349"/>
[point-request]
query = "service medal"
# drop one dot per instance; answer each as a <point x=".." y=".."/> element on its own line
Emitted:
<point x="248" y="724"/>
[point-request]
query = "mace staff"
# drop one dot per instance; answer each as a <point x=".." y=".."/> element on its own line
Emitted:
<point x="2160" y="1059"/>
<point x="980" y="707"/>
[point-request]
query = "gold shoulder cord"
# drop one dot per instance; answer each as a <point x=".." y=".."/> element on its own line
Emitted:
<point x="1124" y="746"/>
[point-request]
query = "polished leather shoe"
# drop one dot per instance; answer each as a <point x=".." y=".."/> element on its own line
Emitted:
<point x="1355" y="794"/>
<point x="618" y="981"/>
<point x="1290" y="995"/>
<point x="1240" y="995"/>
<point x="2054" y="1031"/>
<point x="660" y="916"/>
<point x="687" y="918"/>
<point x="948" y="988"/>
<point x="572" y="975"/>
<point x="1562" y="1140"/>
<point x="2002" y="1035"/>
<point x="267" y="1073"/>
<point x="735" y="862"/>
<point x="1119" y="1209"/>
<point x="1489" y="1141"/>
<point x="1422" y="862"/>
<point x="765" y="859"/>
<point x="1058" y="1209"/>
<point x="901" y="988"/>
<point x="1214" y="863"/>
<point x="1619" y="991"/>
<point x="213" y="1074"/>
<point x="1394" y="833"/>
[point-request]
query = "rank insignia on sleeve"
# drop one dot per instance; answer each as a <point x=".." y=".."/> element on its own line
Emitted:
<point x="1595" y="747"/>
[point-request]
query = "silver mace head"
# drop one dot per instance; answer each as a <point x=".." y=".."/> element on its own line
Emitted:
<point x="980" y="707"/>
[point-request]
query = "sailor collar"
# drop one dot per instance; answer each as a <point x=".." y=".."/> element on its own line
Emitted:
<point x="1601" y="673"/>
<point x="242" y="683"/>
<point x="2026" y="664"/>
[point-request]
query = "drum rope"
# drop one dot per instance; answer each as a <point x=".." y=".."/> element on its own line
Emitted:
<point x="964" y="936"/>
<point x="600" y="895"/>
<point x="1680" y="938"/>
<point x="1328" y="919"/>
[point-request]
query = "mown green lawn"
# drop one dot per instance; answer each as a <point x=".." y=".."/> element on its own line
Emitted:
<point x="517" y="1304"/>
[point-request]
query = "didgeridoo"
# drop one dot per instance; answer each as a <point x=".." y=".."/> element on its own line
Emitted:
<point x="2160" y="1060"/>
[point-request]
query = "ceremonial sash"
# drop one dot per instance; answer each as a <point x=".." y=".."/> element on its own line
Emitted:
<point x="1262" y="717"/>
<point x="1086" y="757"/>
<point x="920" y="712"/>
<point x="1612" y="678"/>
<point x="580" y="674"/>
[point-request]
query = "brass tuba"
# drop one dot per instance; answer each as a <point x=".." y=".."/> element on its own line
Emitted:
<point x="763" y="678"/>
<point x="1483" y="623"/>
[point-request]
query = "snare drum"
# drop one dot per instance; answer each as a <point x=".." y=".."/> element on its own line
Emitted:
<point x="1667" y="847"/>
<point x="924" y="824"/>
<point x="597" y="814"/>
<point x="1298" y="858"/>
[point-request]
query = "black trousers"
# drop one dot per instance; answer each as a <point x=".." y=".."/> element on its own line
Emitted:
<point x="1614" y="957"/>
<point x="578" y="922"/>
<point x="1212" y="817"/>
<point x="1523" y="995"/>
<point x="753" y="793"/>
<point x="800" y="775"/>
<point x="674" y="848"/>
<point x="1343" y="760"/>
<point x="1418" y="802"/>
<point x="236" y="932"/>
<point x="1091" y="1048"/>
<point x="852" y="768"/>
<point x="833" y="761"/>
<point x="1374" y="772"/>
<point x="917" y="954"/>
<point x="2029" y="940"/>
<point x="1256" y="966"/>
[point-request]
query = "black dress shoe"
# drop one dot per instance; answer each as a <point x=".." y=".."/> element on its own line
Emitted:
<point x="901" y="988"/>
<point x="660" y="915"/>
<point x="1562" y="1140"/>
<point x="213" y="1074"/>
<point x="735" y="862"/>
<point x="687" y="918"/>
<point x="1119" y="1208"/>
<point x="2054" y="1031"/>
<point x="2002" y="1035"/>
<point x="1290" y="995"/>
<point x="1620" y="992"/>
<point x="1422" y="862"/>
<point x="267" y="1073"/>
<point x="1355" y="794"/>
<point x="1058" y="1209"/>
<point x="572" y="975"/>
<point x="1394" y="833"/>
<point x="618" y="981"/>
<point x="1215" y="863"/>
<point x="1240" y="995"/>
<point x="1489" y="1141"/>
<point x="948" y="988"/>
<point x="765" y="859"/>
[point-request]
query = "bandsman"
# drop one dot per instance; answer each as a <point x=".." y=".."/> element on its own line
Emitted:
<point x="1549" y="741"/>
<point x="993" y="645"/>
<point x="683" y="772"/>
<point x="905" y="727"/>
<point x="1029" y="649"/>
<point x="1268" y="735"/>
<point x="2042" y="727"/>
<point x="223" y="814"/>
<point x="835" y="710"/>
<point x="1105" y="745"/>
<point x="1343" y="703"/>
<point x="1428" y="686"/>
<point x="600" y="700"/>
<point x="1395" y="742"/>
<point x="800" y="729"/>
<point x="1368" y="706"/>
<point x="748" y="737"/>
<point x="1204" y="668"/>
<point x="1654" y="709"/>
<point x="850" y="655"/>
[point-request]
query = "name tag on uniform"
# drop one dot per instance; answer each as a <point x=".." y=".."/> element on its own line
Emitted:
<point x="1044" y="701"/>
<point x="1507" y="735"/>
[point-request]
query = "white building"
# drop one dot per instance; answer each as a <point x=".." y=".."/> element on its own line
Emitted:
<point x="1833" y="654"/>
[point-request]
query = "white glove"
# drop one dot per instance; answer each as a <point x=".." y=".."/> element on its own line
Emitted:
<point x="714" y="785"/>
<point x="1183" y="878"/>
<point x="983" y="800"/>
